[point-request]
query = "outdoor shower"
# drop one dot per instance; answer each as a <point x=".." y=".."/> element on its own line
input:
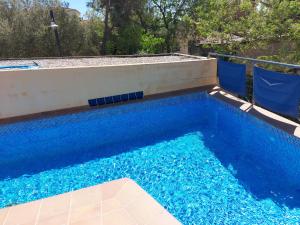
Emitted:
<point x="54" y="27"/>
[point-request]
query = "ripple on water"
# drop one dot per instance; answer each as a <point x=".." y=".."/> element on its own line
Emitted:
<point x="182" y="174"/>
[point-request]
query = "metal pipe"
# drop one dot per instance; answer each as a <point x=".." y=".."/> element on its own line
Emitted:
<point x="54" y="26"/>
<point x="292" y="66"/>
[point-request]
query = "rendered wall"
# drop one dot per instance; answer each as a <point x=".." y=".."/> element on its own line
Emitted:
<point x="26" y="92"/>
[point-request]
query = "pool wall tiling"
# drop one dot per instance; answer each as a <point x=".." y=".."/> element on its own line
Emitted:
<point x="116" y="99"/>
<point x="25" y="92"/>
<point x="287" y="125"/>
<point x="203" y="160"/>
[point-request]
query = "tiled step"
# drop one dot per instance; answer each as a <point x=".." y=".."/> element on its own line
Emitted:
<point x="119" y="202"/>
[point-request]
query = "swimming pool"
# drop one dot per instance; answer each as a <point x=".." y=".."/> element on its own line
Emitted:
<point x="20" y="67"/>
<point x="203" y="160"/>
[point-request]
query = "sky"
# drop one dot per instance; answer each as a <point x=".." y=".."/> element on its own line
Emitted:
<point x="80" y="5"/>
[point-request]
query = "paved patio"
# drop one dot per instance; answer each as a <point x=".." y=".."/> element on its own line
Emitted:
<point x="120" y="202"/>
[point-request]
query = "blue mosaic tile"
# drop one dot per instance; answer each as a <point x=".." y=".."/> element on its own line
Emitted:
<point x="109" y="100"/>
<point x="124" y="97"/>
<point x="132" y="96"/>
<point x="117" y="98"/>
<point x="139" y="95"/>
<point x="93" y="102"/>
<point x="214" y="165"/>
<point x="101" y="101"/>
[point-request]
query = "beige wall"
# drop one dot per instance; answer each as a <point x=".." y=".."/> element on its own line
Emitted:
<point x="26" y="92"/>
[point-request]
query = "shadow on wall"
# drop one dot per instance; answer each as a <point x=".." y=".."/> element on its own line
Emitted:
<point x="262" y="162"/>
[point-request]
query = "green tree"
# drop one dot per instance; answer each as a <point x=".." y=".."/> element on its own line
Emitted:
<point x="170" y="12"/>
<point x="25" y="30"/>
<point x="151" y="44"/>
<point x="256" y="24"/>
<point x="283" y="20"/>
<point x="122" y="32"/>
<point x="92" y="35"/>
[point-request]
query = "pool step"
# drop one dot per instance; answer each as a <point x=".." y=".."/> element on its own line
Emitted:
<point x="117" y="202"/>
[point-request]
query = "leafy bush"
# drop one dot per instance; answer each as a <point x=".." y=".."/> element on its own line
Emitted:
<point x="151" y="44"/>
<point x="128" y="39"/>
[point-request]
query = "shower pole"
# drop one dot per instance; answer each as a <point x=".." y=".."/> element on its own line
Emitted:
<point x="54" y="27"/>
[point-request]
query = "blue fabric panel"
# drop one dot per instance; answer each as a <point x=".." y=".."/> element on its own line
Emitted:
<point x="277" y="92"/>
<point x="232" y="77"/>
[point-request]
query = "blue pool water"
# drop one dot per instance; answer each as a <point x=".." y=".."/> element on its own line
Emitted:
<point x="21" y="67"/>
<point x="204" y="161"/>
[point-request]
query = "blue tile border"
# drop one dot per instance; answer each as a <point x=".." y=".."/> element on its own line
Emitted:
<point x="109" y="100"/>
<point x="139" y="95"/>
<point x="93" y="102"/>
<point x="125" y="97"/>
<point x="101" y="101"/>
<point x="116" y="99"/>
<point x="132" y="96"/>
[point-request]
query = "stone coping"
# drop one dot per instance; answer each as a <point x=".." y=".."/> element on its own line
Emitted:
<point x="119" y="202"/>
<point x="51" y="63"/>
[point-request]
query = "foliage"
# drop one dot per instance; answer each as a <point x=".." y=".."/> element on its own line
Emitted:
<point x="225" y="27"/>
<point x="258" y="24"/>
<point x="170" y="12"/>
<point x="269" y="28"/>
<point x="283" y="18"/>
<point x="151" y="44"/>
<point x="25" y="31"/>
<point x="127" y="39"/>
<point x="121" y="25"/>
<point x="92" y="34"/>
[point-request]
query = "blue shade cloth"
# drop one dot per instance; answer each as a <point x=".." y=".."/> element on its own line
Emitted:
<point x="277" y="92"/>
<point x="232" y="77"/>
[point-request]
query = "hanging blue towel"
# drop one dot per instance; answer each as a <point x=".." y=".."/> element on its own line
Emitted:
<point x="232" y="77"/>
<point x="277" y="92"/>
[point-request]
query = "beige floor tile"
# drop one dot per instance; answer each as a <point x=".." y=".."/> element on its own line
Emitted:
<point x="164" y="218"/>
<point x="110" y="189"/>
<point x="110" y="205"/>
<point x="118" y="217"/>
<point x="144" y="209"/>
<point x="85" y="212"/>
<point x="86" y="196"/>
<point x="29" y="223"/>
<point x="3" y="214"/>
<point x="90" y="221"/>
<point x="58" y="219"/>
<point x="55" y="205"/>
<point x="22" y="214"/>
<point x="129" y="192"/>
<point x="120" y="202"/>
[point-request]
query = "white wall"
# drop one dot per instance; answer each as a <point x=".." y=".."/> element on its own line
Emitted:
<point x="26" y="92"/>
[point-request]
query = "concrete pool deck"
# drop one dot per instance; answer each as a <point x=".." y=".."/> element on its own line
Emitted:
<point x="119" y="202"/>
<point x="48" y="63"/>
